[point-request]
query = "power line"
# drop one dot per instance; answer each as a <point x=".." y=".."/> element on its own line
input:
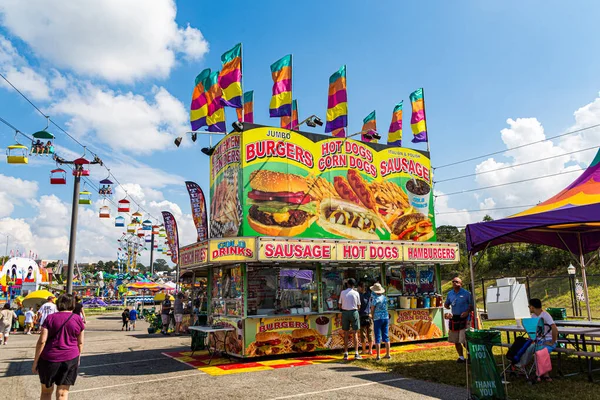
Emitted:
<point x="509" y="183"/>
<point x="484" y="209"/>
<point x="516" y="165"/>
<point x="516" y="147"/>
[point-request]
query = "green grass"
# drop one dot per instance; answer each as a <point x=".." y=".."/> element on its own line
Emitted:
<point x="439" y="365"/>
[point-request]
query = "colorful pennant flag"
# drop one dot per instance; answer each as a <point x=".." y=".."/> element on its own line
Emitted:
<point x="199" y="108"/>
<point x="281" y="101"/>
<point x="198" y="203"/>
<point x="369" y="126"/>
<point x="216" y="113"/>
<point x="230" y="77"/>
<point x="291" y="122"/>
<point x="417" y="121"/>
<point x="337" y="104"/>
<point x="248" y="110"/>
<point x="172" y="235"/>
<point x="395" y="132"/>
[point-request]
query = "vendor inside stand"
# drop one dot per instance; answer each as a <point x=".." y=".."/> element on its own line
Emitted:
<point x="334" y="278"/>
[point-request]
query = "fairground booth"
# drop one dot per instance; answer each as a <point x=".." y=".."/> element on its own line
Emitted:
<point x="293" y="216"/>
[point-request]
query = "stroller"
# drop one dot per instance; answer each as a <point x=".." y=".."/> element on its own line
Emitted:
<point x="522" y="353"/>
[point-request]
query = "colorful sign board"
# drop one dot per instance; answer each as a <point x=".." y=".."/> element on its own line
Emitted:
<point x="296" y="250"/>
<point x="431" y="252"/>
<point x="270" y="181"/>
<point x="232" y="250"/>
<point x="193" y="255"/>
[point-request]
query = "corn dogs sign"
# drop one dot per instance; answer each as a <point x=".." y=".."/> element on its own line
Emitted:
<point x="292" y="184"/>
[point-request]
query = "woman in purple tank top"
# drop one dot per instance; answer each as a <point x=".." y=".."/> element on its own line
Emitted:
<point x="58" y="349"/>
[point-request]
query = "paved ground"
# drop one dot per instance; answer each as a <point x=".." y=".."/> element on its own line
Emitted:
<point x="130" y="365"/>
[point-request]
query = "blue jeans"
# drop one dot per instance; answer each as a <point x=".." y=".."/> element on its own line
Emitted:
<point x="380" y="327"/>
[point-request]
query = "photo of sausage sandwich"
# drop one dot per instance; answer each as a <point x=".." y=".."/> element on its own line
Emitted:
<point x="280" y="204"/>
<point x="350" y="220"/>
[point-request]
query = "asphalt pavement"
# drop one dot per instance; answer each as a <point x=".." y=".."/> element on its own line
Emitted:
<point x="130" y="365"/>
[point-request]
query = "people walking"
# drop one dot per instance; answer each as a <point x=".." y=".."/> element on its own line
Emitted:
<point x="125" y="318"/>
<point x="132" y="318"/>
<point x="461" y="303"/>
<point x="350" y="303"/>
<point x="29" y="316"/>
<point x="165" y="314"/>
<point x="381" y="319"/>
<point x="178" y="311"/>
<point x="48" y="308"/>
<point x="7" y="316"/>
<point x="78" y="310"/>
<point x="58" y="350"/>
<point x="366" y="322"/>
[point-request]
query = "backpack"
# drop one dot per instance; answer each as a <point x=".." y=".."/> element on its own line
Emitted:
<point x="518" y="348"/>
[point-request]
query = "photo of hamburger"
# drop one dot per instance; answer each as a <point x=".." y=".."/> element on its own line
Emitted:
<point x="416" y="227"/>
<point x="349" y="220"/>
<point x="268" y="343"/>
<point x="280" y="203"/>
<point x="304" y="340"/>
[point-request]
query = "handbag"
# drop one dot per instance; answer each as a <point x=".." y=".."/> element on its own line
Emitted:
<point x="543" y="364"/>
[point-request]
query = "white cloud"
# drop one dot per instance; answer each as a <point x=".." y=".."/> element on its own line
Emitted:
<point x="108" y="39"/>
<point x="17" y="71"/>
<point x="123" y="121"/>
<point x="13" y="191"/>
<point x="447" y="215"/>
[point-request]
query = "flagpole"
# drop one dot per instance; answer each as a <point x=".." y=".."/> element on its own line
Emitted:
<point x="242" y="82"/>
<point x="425" y="119"/>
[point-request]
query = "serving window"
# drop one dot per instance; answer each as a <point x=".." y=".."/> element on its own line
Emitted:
<point x="227" y="291"/>
<point x="334" y="281"/>
<point x="276" y="291"/>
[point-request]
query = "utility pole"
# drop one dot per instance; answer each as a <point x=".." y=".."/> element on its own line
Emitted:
<point x="152" y="253"/>
<point x="78" y="171"/>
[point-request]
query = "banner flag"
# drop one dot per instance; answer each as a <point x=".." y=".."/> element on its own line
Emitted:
<point x="198" y="203"/>
<point x="172" y="235"/>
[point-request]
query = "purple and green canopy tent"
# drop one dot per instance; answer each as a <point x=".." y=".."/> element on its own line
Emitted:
<point x="569" y="221"/>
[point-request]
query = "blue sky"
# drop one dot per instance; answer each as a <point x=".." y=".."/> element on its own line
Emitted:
<point x="480" y="63"/>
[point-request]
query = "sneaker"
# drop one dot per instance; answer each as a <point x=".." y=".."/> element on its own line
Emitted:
<point x="387" y="357"/>
<point x="461" y="360"/>
<point x="345" y="356"/>
<point x="357" y="356"/>
<point x="29" y="333"/>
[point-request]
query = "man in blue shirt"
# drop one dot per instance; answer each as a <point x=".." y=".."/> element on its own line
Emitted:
<point x="461" y="303"/>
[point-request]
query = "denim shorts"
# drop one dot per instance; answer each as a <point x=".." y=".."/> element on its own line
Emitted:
<point x="380" y="327"/>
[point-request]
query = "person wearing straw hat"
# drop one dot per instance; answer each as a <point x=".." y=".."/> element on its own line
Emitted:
<point x="381" y="319"/>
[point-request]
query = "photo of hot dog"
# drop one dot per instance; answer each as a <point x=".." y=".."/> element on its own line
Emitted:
<point x="415" y="227"/>
<point x="342" y="187"/>
<point x="362" y="190"/>
<point x="350" y="220"/>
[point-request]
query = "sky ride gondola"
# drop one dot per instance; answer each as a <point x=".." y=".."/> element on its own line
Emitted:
<point x="136" y="218"/>
<point x="58" y="177"/>
<point x="42" y="143"/>
<point x="131" y="228"/>
<point x="85" y="197"/>
<point x="104" y="212"/>
<point x="105" y="188"/>
<point x="123" y="206"/>
<point x="147" y="225"/>
<point x="81" y="170"/>
<point x="119" y="222"/>
<point x="141" y="233"/>
<point x="17" y="154"/>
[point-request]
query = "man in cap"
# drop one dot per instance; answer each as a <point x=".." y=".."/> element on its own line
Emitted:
<point x="46" y="309"/>
<point x="461" y="303"/>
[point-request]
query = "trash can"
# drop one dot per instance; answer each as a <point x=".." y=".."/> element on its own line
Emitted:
<point x="557" y="314"/>
<point x="486" y="381"/>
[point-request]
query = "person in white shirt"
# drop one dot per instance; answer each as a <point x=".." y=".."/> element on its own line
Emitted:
<point x="550" y="329"/>
<point x="46" y="309"/>
<point x="349" y="304"/>
<point x="29" y="314"/>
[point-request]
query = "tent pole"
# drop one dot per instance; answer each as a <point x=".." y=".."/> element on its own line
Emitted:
<point x="473" y="291"/>
<point x="584" y="277"/>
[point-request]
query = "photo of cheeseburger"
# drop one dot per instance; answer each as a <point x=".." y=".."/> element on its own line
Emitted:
<point x="268" y="343"/>
<point x="415" y="227"/>
<point x="304" y="340"/>
<point x="280" y="204"/>
<point x="350" y="220"/>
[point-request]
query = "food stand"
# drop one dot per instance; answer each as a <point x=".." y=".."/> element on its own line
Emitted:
<point x="294" y="215"/>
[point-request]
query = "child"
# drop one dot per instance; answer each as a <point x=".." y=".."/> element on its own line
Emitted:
<point x="125" y="317"/>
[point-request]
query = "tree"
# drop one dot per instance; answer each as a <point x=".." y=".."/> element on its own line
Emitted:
<point x="161" y="265"/>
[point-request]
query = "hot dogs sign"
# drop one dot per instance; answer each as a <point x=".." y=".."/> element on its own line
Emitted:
<point x="294" y="184"/>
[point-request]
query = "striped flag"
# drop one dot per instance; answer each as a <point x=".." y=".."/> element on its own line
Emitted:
<point x="291" y="122"/>
<point x="248" y="110"/>
<point x="395" y="132"/>
<point x="281" y="101"/>
<point x="369" y="126"/>
<point x="337" y="104"/>
<point x="216" y="113"/>
<point x="230" y="77"/>
<point x="199" y="108"/>
<point x="417" y="120"/>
